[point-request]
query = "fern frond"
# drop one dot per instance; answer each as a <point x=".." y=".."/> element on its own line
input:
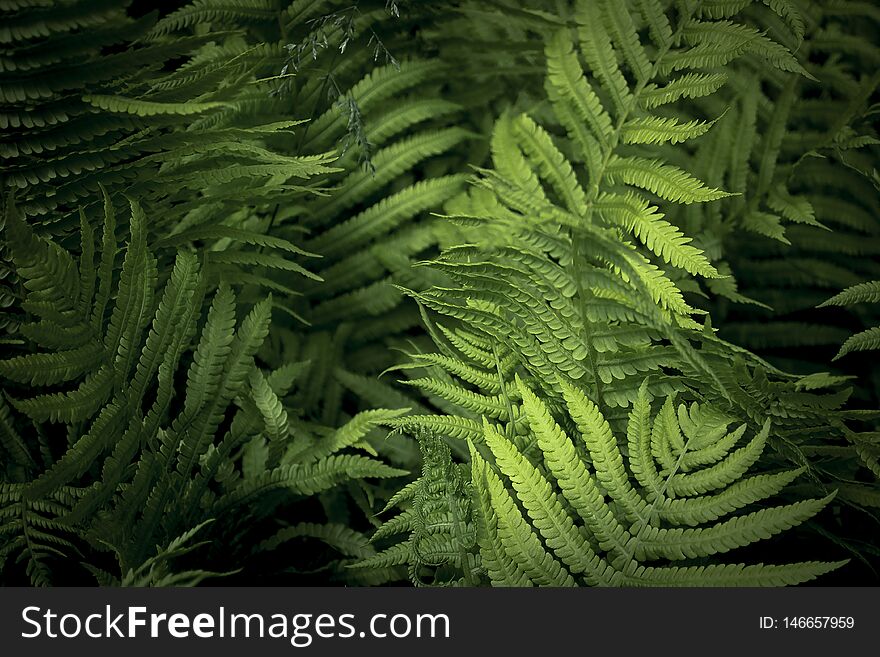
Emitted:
<point x="868" y="339"/>
<point x="659" y="236"/>
<point x="137" y="107"/>
<point x="659" y="130"/>
<point x="664" y="180"/>
<point x="868" y="292"/>
<point x="621" y="542"/>
<point x="309" y="479"/>
<point x="339" y="537"/>
<point x="519" y="542"/>
<point x="688" y="85"/>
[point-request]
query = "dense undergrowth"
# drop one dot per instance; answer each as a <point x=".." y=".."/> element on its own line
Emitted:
<point x="582" y="292"/>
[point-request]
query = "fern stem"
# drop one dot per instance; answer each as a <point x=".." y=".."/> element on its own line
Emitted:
<point x="628" y="557"/>
<point x="593" y="194"/>
<point x="452" y="504"/>
<point x="511" y="430"/>
<point x="582" y="293"/>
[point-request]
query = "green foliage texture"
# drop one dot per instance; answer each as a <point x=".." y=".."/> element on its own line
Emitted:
<point x="508" y="293"/>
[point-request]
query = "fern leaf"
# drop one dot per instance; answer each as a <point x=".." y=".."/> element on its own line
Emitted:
<point x="868" y="339"/>
<point x="137" y="107"/>
<point x="73" y="406"/>
<point x="178" y="300"/>
<point x="868" y="292"/>
<point x="659" y="130"/>
<point x="728" y="575"/>
<point x="341" y="538"/>
<point x="736" y="532"/>
<point x="311" y="478"/>
<point x="350" y="433"/>
<point x="665" y="180"/>
<point x="272" y="411"/>
<point x="661" y="237"/>
<point x="688" y="85"/>
<point x="134" y="300"/>
<point x="53" y="367"/>
<point x="790" y="13"/>
<point x="722" y="473"/>
<point x="695" y="511"/>
<point x="519" y="542"/>
<point x="541" y="503"/>
<point x="653" y="13"/>
<point x="550" y="163"/>
<point x="600" y="54"/>
<point x="503" y="570"/>
<point x="567" y="77"/>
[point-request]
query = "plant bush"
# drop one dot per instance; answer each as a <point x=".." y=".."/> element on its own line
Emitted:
<point x="585" y="290"/>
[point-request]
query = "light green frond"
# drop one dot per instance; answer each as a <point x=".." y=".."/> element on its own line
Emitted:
<point x="541" y="503"/>
<point x="518" y="540"/>
<point x="688" y="85"/>
<point x="723" y="473"/>
<point x="567" y="77"/>
<point x="475" y="402"/>
<point x="503" y="571"/>
<point x="661" y="237"/>
<point x="460" y="428"/>
<point x="550" y="163"/>
<point x="599" y="53"/>
<point x="665" y="180"/>
<point x="654" y="15"/>
<point x="576" y="483"/>
<point x="736" y="532"/>
<point x="512" y="163"/>
<point x="659" y="130"/>
<point x="699" y="510"/>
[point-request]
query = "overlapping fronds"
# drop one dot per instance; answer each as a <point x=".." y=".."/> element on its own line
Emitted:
<point x="112" y="347"/>
<point x="800" y="151"/>
<point x="579" y="281"/>
<point x="869" y="339"/>
<point x="262" y="263"/>
<point x="677" y="497"/>
<point x="550" y="510"/>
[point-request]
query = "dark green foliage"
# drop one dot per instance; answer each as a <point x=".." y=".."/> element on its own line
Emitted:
<point x="161" y="466"/>
<point x="439" y="518"/>
<point x="621" y="255"/>
<point x="808" y="194"/>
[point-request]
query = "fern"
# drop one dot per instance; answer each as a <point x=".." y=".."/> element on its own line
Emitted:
<point x="821" y="240"/>
<point x="152" y="453"/>
<point x="440" y="523"/>
<point x="552" y="281"/>
<point x="675" y="498"/>
<point x="215" y="223"/>
<point x="863" y="292"/>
